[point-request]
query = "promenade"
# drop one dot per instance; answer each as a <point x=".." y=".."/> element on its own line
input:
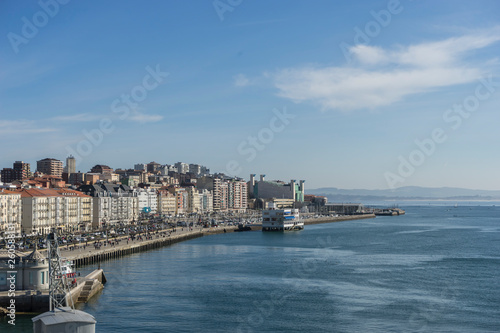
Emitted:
<point x="94" y="251"/>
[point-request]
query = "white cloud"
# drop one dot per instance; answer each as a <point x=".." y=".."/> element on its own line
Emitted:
<point x="22" y="126"/>
<point x="80" y="117"/>
<point x="143" y="118"/>
<point x="381" y="77"/>
<point x="241" y="80"/>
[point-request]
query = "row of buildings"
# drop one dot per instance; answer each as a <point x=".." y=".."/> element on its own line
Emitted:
<point x="57" y="196"/>
<point x="38" y="210"/>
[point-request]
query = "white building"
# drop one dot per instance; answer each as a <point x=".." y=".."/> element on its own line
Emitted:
<point x="167" y="203"/>
<point x="182" y="167"/>
<point x="112" y="204"/>
<point x="10" y="213"/>
<point x="63" y="209"/>
<point x="147" y="200"/>
<point x="32" y="271"/>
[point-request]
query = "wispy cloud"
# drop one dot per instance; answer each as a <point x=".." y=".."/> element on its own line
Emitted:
<point x="241" y="80"/>
<point x="143" y="117"/>
<point x="81" y="117"/>
<point x="381" y="77"/>
<point x="22" y="126"/>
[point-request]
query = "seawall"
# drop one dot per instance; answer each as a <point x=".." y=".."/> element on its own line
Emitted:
<point x="330" y="219"/>
<point x="93" y="256"/>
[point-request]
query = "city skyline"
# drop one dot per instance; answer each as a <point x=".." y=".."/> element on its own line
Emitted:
<point x="368" y="95"/>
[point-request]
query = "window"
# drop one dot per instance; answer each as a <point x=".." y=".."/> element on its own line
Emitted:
<point x="31" y="278"/>
<point x="43" y="280"/>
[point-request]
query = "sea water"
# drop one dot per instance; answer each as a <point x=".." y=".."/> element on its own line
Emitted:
<point x="435" y="269"/>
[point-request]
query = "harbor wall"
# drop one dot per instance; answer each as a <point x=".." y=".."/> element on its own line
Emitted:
<point x="120" y="251"/>
<point x="330" y="219"/>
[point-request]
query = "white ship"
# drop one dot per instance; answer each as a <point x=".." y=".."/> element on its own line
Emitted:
<point x="281" y="220"/>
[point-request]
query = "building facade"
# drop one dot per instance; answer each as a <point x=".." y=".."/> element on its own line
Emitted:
<point x="276" y="189"/>
<point x="112" y="204"/>
<point x="10" y="213"/>
<point x="50" y="166"/>
<point x="63" y="209"/>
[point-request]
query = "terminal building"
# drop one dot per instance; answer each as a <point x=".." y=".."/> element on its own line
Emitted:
<point x="268" y="190"/>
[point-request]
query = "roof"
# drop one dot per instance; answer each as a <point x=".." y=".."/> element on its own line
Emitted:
<point x="35" y="255"/>
<point x="50" y="192"/>
<point x="64" y="315"/>
<point x="9" y="193"/>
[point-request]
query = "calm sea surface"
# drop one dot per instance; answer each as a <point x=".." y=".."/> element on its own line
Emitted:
<point x="435" y="269"/>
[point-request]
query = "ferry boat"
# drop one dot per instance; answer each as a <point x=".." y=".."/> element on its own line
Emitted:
<point x="67" y="268"/>
<point x="281" y="220"/>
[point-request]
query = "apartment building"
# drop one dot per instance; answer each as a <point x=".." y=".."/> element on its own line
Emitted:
<point x="10" y="213"/>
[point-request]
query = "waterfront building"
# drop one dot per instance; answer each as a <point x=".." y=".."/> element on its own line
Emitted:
<point x="10" y="213"/>
<point x="228" y="193"/>
<point x="167" y="202"/>
<point x="340" y="208"/>
<point x="276" y="189"/>
<point x="32" y="271"/>
<point x="112" y="204"/>
<point x="193" y="204"/>
<point x="63" y="209"/>
<point x="206" y="201"/>
<point x="50" y="166"/>
<point x="281" y="220"/>
<point x="147" y="200"/>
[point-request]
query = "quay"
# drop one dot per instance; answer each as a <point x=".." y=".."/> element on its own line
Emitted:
<point x="330" y="219"/>
<point x="88" y="255"/>
<point x="36" y="301"/>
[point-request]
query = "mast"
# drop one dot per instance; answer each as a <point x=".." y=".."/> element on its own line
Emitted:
<point x="58" y="283"/>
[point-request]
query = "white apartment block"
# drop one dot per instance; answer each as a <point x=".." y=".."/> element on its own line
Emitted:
<point x="10" y="213"/>
<point x="61" y="209"/>
<point x="147" y="200"/>
<point x="112" y="204"/>
<point x="167" y="203"/>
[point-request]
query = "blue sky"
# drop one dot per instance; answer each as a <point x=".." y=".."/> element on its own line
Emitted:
<point x="365" y="94"/>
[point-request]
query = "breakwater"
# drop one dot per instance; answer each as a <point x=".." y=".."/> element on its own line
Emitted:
<point x="330" y="219"/>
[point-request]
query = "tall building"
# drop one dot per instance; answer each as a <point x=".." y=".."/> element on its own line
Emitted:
<point x="50" y="166"/>
<point x="24" y="168"/>
<point x="264" y="189"/>
<point x="19" y="171"/>
<point x="70" y="164"/>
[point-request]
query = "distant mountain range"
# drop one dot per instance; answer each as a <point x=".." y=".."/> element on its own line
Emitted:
<point x="405" y="193"/>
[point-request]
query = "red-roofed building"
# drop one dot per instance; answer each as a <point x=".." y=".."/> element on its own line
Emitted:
<point x="64" y="209"/>
<point x="10" y="213"/>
